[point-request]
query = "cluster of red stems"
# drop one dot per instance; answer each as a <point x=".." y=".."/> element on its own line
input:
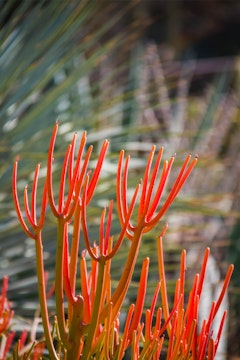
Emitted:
<point x="91" y="329"/>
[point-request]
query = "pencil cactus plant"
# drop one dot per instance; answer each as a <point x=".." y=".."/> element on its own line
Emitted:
<point x="91" y="329"/>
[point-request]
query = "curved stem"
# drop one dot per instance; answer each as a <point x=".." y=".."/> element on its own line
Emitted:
<point x="43" y="298"/>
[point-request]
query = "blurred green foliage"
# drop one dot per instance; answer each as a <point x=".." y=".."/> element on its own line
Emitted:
<point x="89" y="64"/>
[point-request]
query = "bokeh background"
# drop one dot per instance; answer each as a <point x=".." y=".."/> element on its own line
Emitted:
<point x="138" y="73"/>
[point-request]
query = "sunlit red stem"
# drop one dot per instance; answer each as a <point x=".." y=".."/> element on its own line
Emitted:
<point x="182" y="177"/>
<point x="148" y="202"/>
<point x="140" y="298"/>
<point x="96" y="311"/>
<point x="220" y="330"/>
<point x="66" y="276"/>
<point x="75" y="329"/>
<point x="64" y="208"/>
<point x="31" y="214"/>
<point x="122" y="287"/>
<point x="148" y="187"/>
<point x="149" y="317"/>
<point x="144" y="223"/>
<point x="64" y="213"/>
<point x="125" y="340"/>
<point x="43" y="297"/>
<point x="121" y="193"/>
<point x="74" y="251"/>
<point x="92" y="328"/>
<point x="224" y="288"/>
<point x="104" y="238"/>
<point x="59" y="293"/>
<point x="163" y="282"/>
<point x="36" y="235"/>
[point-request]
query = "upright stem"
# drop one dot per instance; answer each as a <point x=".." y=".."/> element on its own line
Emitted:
<point x="126" y="277"/>
<point x="163" y="285"/>
<point x="43" y="298"/>
<point x="59" y="294"/>
<point x="96" y="311"/>
<point x="74" y="254"/>
<point x="76" y="329"/>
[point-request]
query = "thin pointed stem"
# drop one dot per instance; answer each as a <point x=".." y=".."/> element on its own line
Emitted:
<point x="152" y="182"/>
<point x="77" y="180"/>
<point x="125" y="226"/>
<point x="27" y="209"/>
<point x="224" y="288"/>
<point x="84" y="221"/>
<point x="63" y="181"/>
<point x="34" y="193"/>
<point x="175" y="190"/>
<point x="16" y="203"/>
<point x="140" y="298"/>
<point x="95" y="177"/>
<point x="59" y="294"/>
<point x="75" y="248"/>
<point x="74" y="193"/>
<point x="121" y="200"/>
<point x="145" y="182"/>
<point x="50" y="172"/>
<point x="163" y="283"/>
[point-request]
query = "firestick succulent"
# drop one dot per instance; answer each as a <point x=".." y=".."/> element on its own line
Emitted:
<point x="91" y="330"/>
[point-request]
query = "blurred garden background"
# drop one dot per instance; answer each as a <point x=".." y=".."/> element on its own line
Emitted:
<point x="138" y="73"/>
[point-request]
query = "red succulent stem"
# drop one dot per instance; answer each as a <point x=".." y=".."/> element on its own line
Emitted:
<point x="72" y="299"/>
<point x="121" y="193"/>
<point x="125" y="339"/>
<point x="152" y="309"/>
<point x="50" y="171"/>
<point x="162" y="182"/>
<point x="96" y="173"/>
<point x="75" y="189"/>
<point x="163" y="282"/>
<point x="124" y="229"/>
<point x="220" y="330"/>
<point x="75" y="248"/>
<point x="152" y="184"/>
<point x="44" y="207"/>
<point x="85" y="290"/>
<point x="142" y="205"/>
<point x="27" y="209"/>
<point x="157" y="323"/>
<point x="84" y="221"/>
<point x="17" y="205"/>
<point x="62" y="183"/>
<point x="224" y="288"/>
<point x="123" y="284"/>
<point x="59" y="288"/>
<point x="95" y="313"/>
<point x="34" y="194"/>
<point x="43" y="297"/>
<point x="36" y="235"/>
<point x="203" y="271"/>
<point x="182" y="177"/>
<point x="140" y="298"/>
